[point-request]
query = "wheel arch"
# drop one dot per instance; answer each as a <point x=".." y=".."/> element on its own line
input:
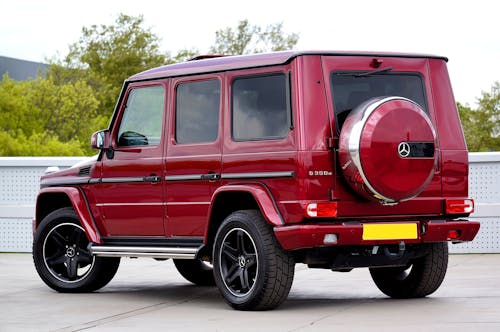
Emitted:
<point x="54" y="198"/>
<point x="231" y="198"/>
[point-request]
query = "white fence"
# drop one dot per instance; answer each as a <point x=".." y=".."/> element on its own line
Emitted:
<point x="19" y="184"/>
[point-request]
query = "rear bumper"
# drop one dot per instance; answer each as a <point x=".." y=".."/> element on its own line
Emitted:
<point x="351" y="233"/>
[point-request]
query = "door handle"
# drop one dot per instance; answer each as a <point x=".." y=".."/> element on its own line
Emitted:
<point x="210" y="176"/>
<point x="152" y="179"/>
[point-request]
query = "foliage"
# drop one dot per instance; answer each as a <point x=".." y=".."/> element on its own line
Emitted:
<point x="39" y="117"/>
<point x="248" y="38"/>
<point x="482" y="125"/>
<point x="107" y="54"/>
<point x="56" y="115"/>
<point x="185" y="55"/>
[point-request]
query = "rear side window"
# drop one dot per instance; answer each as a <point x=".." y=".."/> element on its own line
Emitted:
<point x="197" y="112"/>
<point x="142" y="118"/>
<point x="350" y="90"/>
<point x="260" y="108"/>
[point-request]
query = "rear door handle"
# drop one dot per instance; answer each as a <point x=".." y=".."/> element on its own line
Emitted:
<point x="152" y="179"/>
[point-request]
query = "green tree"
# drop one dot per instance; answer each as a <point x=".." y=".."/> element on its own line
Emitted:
<point x="56" y="115"/>
<point x="185" y="55"/>
<point x="40" y="118"/>
<point x="482" y="125"/>
<point x="247" y="38"/>
<point x="107" y="54"/>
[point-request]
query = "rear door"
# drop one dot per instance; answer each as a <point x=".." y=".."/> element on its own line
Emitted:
<point x="260" y="145"/>
<point x="352" y="80"/>
<point x="193" y="153"/>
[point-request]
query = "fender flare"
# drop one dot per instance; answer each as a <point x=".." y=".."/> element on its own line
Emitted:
<point x="79" y="204"/>
<point x="262" y="196"/>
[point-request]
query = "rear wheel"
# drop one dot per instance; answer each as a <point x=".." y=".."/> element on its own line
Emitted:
<point x="196" y="271"/>
<point x="251" y="269"/>
<point x="421" y="278"/>
<point x="62" y="258"/>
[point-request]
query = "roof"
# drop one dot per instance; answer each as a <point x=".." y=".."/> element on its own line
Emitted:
<point x="21" y="70"/>
<point x="218" y="64"/>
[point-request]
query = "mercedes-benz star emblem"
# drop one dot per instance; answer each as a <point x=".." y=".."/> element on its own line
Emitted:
<point x="404" y="149"/>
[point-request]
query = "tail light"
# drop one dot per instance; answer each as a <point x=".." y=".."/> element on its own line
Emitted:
<point x="453" y="235"/>
<point x="319" y="210"/>
<point x="459" y="206"/>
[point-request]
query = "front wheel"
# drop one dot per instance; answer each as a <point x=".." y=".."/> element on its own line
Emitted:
<point x="62" y="258"/>
<point x="421" y="278"/>
<point x="251" y="269"/>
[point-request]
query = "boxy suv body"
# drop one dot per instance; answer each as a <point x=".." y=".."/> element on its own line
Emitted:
<point x="239" y="167"/>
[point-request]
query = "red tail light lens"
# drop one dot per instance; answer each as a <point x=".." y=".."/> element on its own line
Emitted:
<point x="453" y="235"/>
<point x="318" y="210"/>
<point x="459" y="206"/>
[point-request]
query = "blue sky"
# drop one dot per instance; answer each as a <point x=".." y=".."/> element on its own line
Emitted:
<point x="466" y="32"/>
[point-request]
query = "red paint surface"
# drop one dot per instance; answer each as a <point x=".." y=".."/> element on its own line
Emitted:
<point x="183" y="208"/>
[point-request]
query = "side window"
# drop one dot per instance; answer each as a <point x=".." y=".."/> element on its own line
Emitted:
<point x="142" y="119"/>
<point x="260" y="108"/>
<point x="197" y="111"/>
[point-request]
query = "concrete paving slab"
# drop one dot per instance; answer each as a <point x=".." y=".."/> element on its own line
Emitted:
<point x="148" y="295"/>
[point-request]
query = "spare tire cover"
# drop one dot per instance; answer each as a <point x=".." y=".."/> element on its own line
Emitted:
<point x="387" y="149"/>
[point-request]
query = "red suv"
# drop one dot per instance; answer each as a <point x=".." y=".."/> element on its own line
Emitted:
<point x="239" y="167"/>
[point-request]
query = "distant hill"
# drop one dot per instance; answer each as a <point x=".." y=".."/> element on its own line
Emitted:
<point x="21" y="70"/>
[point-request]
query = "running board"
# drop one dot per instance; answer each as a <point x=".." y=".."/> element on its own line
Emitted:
<point x="152" y="252"/>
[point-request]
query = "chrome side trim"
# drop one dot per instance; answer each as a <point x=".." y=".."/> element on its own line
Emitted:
<point x="183" y="177"/>
<point x="153" y="252"/>
<point x="258" y="175"/>
<point x="253" y="175"/>
<point x="122" y="179"/>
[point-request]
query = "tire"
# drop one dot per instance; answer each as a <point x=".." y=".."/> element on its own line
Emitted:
<point x="196" y="271"/>
<point x="62" y="259"/>
<point x="423" y="277"/>
<point x="251" y="269"/>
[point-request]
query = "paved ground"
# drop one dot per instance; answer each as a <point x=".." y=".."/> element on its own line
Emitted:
<point x="147" y="295"/>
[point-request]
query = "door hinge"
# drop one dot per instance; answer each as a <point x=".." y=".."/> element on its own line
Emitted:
<point x="332" y="143"/>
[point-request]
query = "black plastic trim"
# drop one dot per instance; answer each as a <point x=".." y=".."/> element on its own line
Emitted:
<point x="63" y="182"/>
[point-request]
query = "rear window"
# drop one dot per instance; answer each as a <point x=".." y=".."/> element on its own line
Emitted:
<point x="350" y="90"/>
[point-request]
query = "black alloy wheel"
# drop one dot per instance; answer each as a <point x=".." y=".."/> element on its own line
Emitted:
<point x="65" y="253"/>
<point x="62" y="258"/>
<point x="238" y="262"/>
<point x="251" y="269"/>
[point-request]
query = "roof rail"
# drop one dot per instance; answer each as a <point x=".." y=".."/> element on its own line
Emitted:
<point x="206" y="56"/>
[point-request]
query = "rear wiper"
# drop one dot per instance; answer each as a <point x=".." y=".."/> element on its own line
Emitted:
<point x="376" y="71"/>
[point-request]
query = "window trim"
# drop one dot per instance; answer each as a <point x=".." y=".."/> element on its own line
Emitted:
<point x="288" y="96"/>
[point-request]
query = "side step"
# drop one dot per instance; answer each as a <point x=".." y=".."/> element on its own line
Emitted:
<point x="152" y="252"/>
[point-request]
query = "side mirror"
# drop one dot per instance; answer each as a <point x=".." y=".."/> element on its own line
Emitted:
<point x="100" y="140"/>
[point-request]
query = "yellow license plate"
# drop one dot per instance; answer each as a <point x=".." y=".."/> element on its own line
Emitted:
<point x="390" y="231"/>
